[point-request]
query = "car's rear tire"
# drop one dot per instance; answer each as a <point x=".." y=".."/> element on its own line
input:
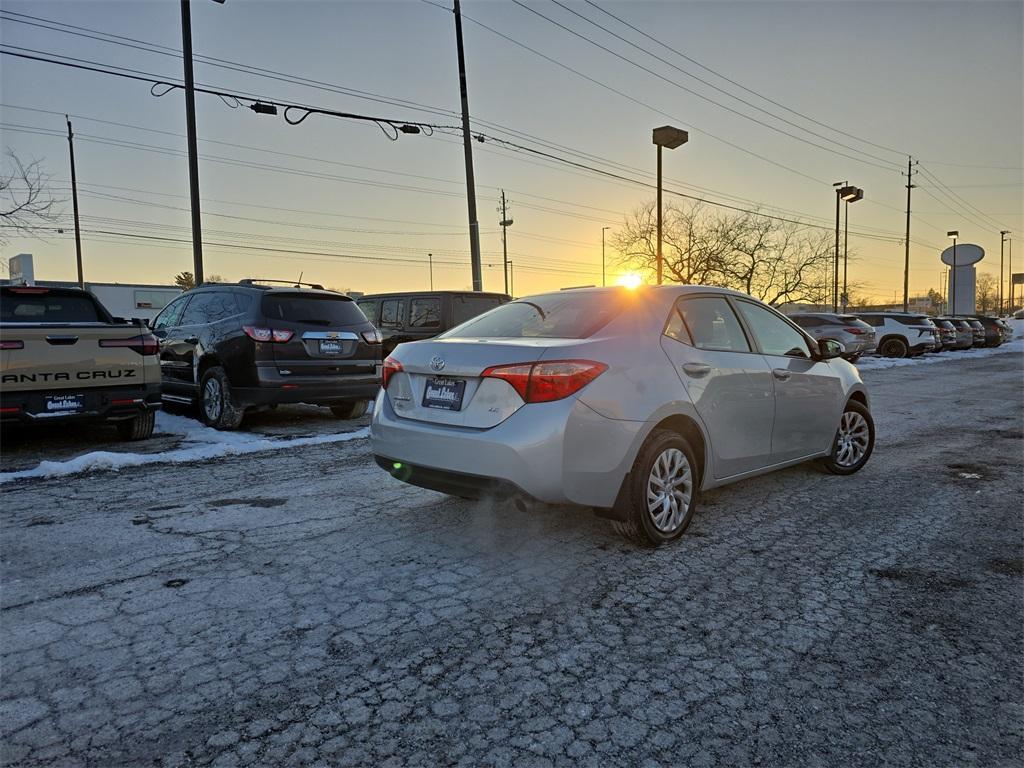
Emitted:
<point x="854" y="441"/>
<point x="894" y="347"/>
<point x="662" y="491"/>
<point x="139" y="428"/>
<point x="215" y="407"/>
<point x="351" y="410"/>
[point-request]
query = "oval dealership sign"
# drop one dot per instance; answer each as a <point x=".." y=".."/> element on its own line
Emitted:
<point x="966" y="253"/>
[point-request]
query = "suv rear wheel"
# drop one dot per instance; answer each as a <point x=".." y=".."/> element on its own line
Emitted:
<point x="894" y="347"/>
<point x="215" y="407"/>
<point x="351" y="410"/>
<point x="662" y="490"/>
<point x="139" y="428"/>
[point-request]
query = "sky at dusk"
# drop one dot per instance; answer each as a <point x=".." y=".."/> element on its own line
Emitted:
<point x="940" y="81"/>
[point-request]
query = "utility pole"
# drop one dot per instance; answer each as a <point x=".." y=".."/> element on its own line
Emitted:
<point x="74" y="202"/>
<point x="511" y="280"/>
<point x="193" y="152"/>
<point x="430" y="261"/>
<point x="906" y="244"/>
<point x="467" y="145"/>
<point x="603" y="230"/>
<point x="505" y="222"/>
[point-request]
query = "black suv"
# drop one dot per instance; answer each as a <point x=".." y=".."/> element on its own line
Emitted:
<point x="413" y="316"/>
<point x="228" y="347"/>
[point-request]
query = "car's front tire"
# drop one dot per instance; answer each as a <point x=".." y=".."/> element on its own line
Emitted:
<point x="139" y="428"/>
<point x="215" y="406"/>
<point x="854" y="441"/>
<point x="662" y="491"/>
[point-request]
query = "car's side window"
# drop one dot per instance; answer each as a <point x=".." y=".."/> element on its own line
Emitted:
<point x="712" y="324"/>
<point x="169" y="317"/>
<point x="369" y="308"/>
<point x="774" y="335"/>
<point x="676" y="328"/>
<point x="425" y="313"/>
<point x="199" y="310"/>
<point x="391" y="313"/>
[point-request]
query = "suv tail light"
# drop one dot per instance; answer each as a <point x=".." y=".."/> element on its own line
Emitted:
<point x="5" y="344"/>
<point x="372" y="336"/>
<point x="390" y="368"/>
<point x="274" y="336"/>
<point x="855" y="331"/>
<point x="547" y="381"/>
<point x="147" y="344"/>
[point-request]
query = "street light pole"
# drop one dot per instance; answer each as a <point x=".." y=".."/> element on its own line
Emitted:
<point x="603" y="230"/>
<point x="857" y="195"/>
<point x="430" y="262"/>
<point x="669" y="137"/>
<point x="850" y="194"/>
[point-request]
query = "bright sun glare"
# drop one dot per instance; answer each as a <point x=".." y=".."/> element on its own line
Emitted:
<point x="630" y="280"/>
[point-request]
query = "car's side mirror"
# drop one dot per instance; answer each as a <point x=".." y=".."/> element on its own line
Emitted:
<point x="829" y="349"/>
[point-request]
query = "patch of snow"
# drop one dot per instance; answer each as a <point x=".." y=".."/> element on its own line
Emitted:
<point x="1016" y="344"/>
<point x="199" y="443"/>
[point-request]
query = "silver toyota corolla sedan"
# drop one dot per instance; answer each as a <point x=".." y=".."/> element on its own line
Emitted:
<point x="631" y="401"/>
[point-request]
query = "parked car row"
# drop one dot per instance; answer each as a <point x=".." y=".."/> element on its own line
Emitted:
<point x="224" y="349"/>
<point x="902" y="334"/>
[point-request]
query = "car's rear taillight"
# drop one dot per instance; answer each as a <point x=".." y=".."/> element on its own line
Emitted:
<point x="855" y="331"/>
<point x="390" y="368"/>
<point x="5" y="344"/>
<point x="547" y="381"/>
<point x="272" y="335"/>
<point x="372" y="336"/>
<point x="147" y="344"/>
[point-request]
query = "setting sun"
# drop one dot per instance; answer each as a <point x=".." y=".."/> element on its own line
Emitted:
<point x="630" y="280"/>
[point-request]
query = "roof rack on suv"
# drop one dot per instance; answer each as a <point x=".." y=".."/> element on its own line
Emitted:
<point x="295" y="283"/>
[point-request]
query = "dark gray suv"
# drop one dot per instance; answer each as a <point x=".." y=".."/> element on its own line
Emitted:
<point x="230" y="347"/>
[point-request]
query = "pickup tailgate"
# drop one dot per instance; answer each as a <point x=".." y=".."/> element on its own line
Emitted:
<point x="71" y="357"/>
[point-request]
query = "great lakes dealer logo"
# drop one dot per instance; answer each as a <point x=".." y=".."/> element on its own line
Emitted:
<point x="437" y="363"/>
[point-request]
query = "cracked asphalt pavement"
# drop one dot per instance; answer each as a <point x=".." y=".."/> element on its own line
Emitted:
<point x="301" y="608"/>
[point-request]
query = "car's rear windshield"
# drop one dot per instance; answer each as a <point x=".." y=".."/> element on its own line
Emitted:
<point x="312" y="309"/>
<point x="915" y="320"/>
<point x="18" y="307"/>
<point x="552" y="316"/>
<point x="848" y="319"/>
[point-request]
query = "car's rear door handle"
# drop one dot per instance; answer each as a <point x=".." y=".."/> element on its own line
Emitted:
<point x="696" y="369"/>
<point x="781" y="374"/>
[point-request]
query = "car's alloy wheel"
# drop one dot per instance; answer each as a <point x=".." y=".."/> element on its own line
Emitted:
<point x="894" y="348"/>
<point x="213" y="399"/>
<point x="660" y="494"/>
<point x="669" y="488"/>
<point x="854" y="440"/>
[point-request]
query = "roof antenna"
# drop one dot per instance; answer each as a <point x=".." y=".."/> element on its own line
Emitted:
<point x="299" y="281"/>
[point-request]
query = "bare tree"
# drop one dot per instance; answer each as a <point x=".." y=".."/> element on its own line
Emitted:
<point x="774" y="261"/>
<point x="26" y="205"/>
<point x="987" y="292"/>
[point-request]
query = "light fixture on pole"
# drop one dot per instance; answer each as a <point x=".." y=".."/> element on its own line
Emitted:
<point x="953" y="234"/>
<point x="1002" y="241"/>
<point x="843" y="192"/>
<point x="858" y="195"/>
<point x="603" y="229"/>
<point x="670" y="138"/>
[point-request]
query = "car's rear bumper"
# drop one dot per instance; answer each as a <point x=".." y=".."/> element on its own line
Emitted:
<point x="275" y="388"/>
<point x="557" y="452"/>
<point x="98" y="404"/>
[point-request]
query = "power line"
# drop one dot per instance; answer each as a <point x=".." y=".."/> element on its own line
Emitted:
<point x="738" y="85"/>
<point x="704" y="82"/>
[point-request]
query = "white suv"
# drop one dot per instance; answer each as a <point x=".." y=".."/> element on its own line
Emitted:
<point x="902" y="334"/>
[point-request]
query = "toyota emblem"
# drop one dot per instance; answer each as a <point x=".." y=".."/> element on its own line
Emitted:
<point x="437" y="363"/>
